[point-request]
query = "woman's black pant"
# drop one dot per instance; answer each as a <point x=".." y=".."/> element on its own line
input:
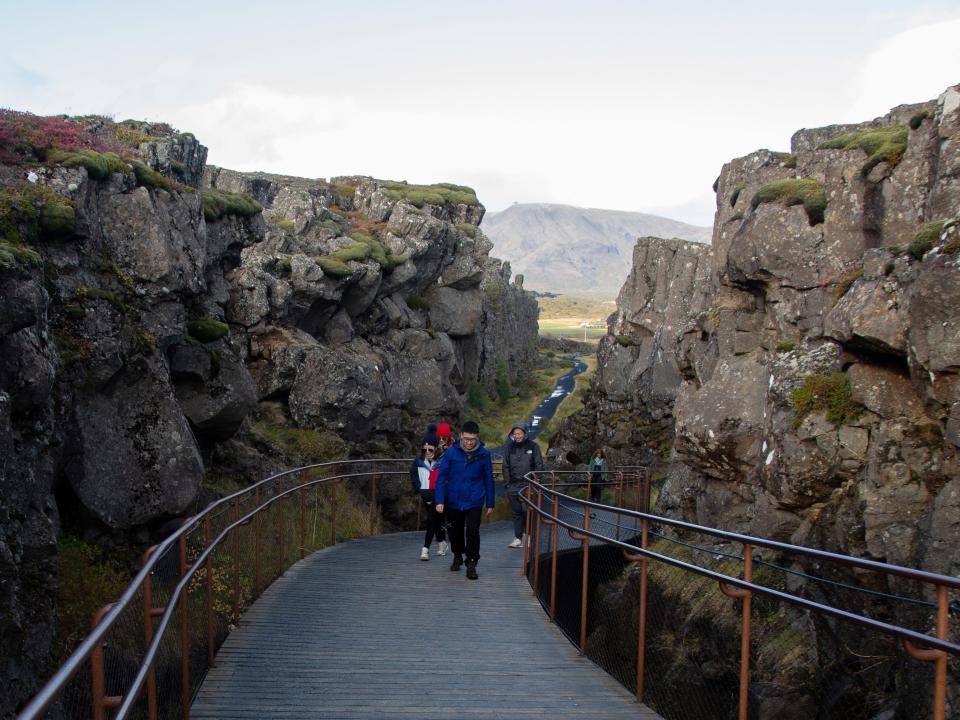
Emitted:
<point x="596" y="486"/>
<point x="434" y="524"/>
<point x="465" y="522"/>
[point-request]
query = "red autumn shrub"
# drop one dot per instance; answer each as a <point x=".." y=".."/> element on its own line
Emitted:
<point x="25" y="137"/>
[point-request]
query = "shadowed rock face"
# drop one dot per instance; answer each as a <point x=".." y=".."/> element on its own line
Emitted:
<point x="138" y="356"/>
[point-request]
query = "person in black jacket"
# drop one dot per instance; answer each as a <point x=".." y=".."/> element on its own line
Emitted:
<point x="520" y="456"/>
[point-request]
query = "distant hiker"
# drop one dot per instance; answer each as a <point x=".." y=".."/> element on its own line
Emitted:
<point x="464" y="485"/>
<point x="520" y="456"/>
<point x="445" y="438"/>
<point x="598" y="474"/>
<point x="423" y="477"/>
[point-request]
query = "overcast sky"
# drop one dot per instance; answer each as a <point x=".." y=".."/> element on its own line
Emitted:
<point x="621" y="105"/>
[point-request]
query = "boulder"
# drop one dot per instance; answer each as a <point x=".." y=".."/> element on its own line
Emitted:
<point x="134" y="457"/>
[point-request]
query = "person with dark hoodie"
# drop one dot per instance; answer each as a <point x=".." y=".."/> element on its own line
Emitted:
<point x="423" y="478"/>
<point x="520" y="456"/>
<point x="464" y="485"/>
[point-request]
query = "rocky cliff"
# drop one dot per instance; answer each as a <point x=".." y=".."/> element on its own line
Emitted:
<point x="799" y="379"/>
<point x="806" y="364"/>
<point x="162" y="322"/>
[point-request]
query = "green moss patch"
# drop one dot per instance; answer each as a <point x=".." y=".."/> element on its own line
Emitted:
<point x="29" y="212"/>
<point x="207" y="329"/>
<point x="826" y="393"/>
<point x="311" y="445"/>
<point x="844" y="283"/>
<point x="785" y="346"/>
<point x="886" y="144"/>
<point x="218" y="204"/>
<point x="438" y="194"/>
<point x="416" y="302"/>
<point x="927" y="236"/>
<point x="99" y="165"/>
<point x="333" y="267"/>
<point x="467" y="229"/>
<point x="808" y="192"/>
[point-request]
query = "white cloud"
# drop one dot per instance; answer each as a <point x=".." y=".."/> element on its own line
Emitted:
<point x="913" y="66"/>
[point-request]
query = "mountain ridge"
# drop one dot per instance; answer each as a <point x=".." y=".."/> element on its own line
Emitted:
<point x="569" y="249"/>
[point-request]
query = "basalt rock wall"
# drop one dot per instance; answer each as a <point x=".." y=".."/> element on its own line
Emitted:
<point x="809" y="383"/>
<point x="158" y="326"/>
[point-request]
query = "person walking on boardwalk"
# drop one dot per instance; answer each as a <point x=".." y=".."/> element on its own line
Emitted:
<point x="423" y="478"/>
<point x="520" y="456"/>
<point x="464" y="485"/>
<point x="445" y="438"/>
<point x="598" y="474"/>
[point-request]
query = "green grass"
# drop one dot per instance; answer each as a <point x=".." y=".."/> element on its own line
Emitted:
<point x="844" y="284"/>
<point x="207" y="330"/>
<point x="311" y="445"/>
<point x="333" y="267"/>
<point x="99" y="166"/>
<point x="437" y="194"/>
<point x="27" y="213"/>
<point x="575" y="306"/>
<point x="927" y="236"/>
<point x="808" y="192"/>
<point x="467" y="229"/>
<point x="570" y="328"/>
<point x="785" y="346"/>
<point x="825" y="393"/>
<point x="284" y="224"/>
<point x="219" y="203"/>
<point x="885" y="144"/>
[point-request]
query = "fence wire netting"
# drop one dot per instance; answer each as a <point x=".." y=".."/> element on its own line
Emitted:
<point x="802" y="664"/>
<point x="247" y="559"/>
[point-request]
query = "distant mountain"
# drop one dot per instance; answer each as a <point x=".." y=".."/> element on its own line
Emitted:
<point x="566" y="249"/>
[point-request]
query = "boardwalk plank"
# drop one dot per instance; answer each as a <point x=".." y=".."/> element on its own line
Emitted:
<point x="366" y="630"/>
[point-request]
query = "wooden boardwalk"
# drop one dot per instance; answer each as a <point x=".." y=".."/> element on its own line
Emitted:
<point x="367" y="630"/>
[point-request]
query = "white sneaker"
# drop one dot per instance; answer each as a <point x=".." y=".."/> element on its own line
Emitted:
<point x="424" y="554"/>
<point x="443" y="547"/>
<point x="517" y="542"/>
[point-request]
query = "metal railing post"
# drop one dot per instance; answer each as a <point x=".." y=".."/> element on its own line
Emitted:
<point x="527" y="547"/>
<point x="303" y="522"/>
<point x="184" y="632"/>
<point x="936" y="656"/>
<point x="373" y="504"/>
<point x="746" y="597"/>
<point x="209" y="569"/>
<point x="333" y="512"/>
<point x="553" y="561"/>
<point x="101" y="701"/>
<point x="280" y="525"/>
<point x="257" y="524"/>
<point x="149" y="613"/>
<point x="642" y="612"/>
<point x="536" y="550"/>
<point x="236" y="559"/>
<point x="585" y="581"/>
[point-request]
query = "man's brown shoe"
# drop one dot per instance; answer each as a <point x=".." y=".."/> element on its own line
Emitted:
<point x="472" y="570"/>
<point x="457" y="562"/>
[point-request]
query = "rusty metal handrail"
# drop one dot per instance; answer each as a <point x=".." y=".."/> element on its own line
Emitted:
<point x="107" y="618"/>
<point x="935" y="648"/>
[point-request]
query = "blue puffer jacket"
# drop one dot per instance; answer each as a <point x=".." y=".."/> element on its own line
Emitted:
<point x="464" y="481"/>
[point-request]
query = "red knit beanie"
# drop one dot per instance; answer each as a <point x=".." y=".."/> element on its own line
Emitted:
<point x="443" y="430"/>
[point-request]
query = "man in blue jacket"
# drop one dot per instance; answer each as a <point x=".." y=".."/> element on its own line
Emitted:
<point x="464" y="485"/>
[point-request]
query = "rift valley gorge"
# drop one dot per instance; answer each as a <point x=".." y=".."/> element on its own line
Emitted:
<point x="166" y="324"/>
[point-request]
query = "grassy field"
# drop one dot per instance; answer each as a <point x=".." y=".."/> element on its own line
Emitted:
<point x="562" y="316"/>
<point x="570" y="328"/>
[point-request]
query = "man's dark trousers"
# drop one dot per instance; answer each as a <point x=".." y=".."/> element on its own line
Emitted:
<point x="516" y="510"/>
<point x="468" y="520"/>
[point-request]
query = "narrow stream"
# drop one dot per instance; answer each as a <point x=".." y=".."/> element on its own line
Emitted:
<point x="547" y="407"/>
